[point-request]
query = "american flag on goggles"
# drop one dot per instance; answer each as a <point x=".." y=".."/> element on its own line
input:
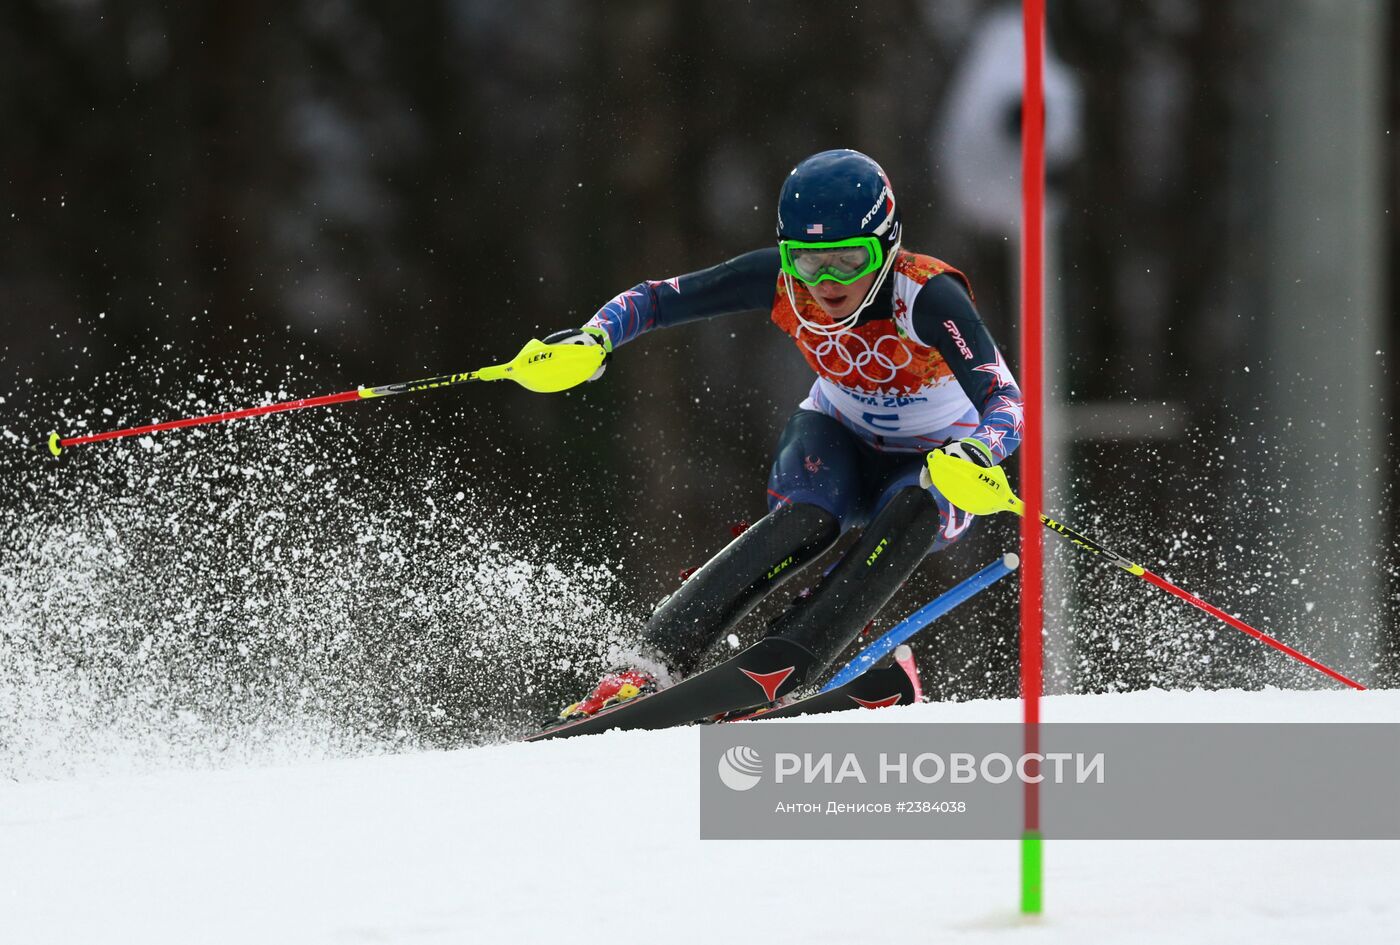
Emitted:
<point x="814" y="229"/>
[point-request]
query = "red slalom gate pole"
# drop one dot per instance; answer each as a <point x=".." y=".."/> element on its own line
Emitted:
<point x="1032" y="451"/>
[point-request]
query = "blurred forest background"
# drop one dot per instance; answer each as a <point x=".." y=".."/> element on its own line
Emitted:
<point x="325" y="193"/>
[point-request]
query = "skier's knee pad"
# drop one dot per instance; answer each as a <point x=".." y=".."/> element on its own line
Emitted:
<point x="881" y="560"/>
<point x="729" y="585"/>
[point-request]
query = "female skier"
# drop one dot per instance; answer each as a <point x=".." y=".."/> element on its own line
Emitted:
<point x="904" y="365"/>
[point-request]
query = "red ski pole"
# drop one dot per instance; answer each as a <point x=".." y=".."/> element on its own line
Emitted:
<point x="987" y="491"/>
<point x="57" y="445"/>
<point x="538" y="367"/>
<point x="1170" y="588"/>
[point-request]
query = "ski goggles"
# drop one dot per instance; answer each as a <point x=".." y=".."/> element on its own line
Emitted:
<point x="842" y="261"/>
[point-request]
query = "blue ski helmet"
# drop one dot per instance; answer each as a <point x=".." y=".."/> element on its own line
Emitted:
<point x="841" y="197"/>
<point x="836" y="195"/>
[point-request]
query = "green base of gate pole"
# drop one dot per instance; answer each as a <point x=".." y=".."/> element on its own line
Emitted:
<point x="1030" y="872"/>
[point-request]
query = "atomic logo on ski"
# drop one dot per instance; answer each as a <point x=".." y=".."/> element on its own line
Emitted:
<point x="770" y="682"/>
<point x="878" y="703"/>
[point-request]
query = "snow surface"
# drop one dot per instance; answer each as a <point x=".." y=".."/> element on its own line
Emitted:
<point x="595" y="839"/>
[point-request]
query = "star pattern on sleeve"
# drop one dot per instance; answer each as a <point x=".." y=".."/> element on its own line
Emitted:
<point x="1003" y="411"/>
<point x="1014" y="408"/>
<point x="627" y="314"/>
<point x="1000" y="373"/>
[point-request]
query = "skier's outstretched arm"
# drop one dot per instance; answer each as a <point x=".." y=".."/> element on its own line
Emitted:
<point x="743" y="284"/>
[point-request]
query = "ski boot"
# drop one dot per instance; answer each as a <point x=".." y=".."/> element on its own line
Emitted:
<point x="614" y="689"/>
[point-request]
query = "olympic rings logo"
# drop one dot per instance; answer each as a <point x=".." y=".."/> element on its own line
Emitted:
<point x="836" y="359"/>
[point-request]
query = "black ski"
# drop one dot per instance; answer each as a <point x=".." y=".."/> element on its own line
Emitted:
<point x="873" y="689"/>
<point x="765" y="672"/>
